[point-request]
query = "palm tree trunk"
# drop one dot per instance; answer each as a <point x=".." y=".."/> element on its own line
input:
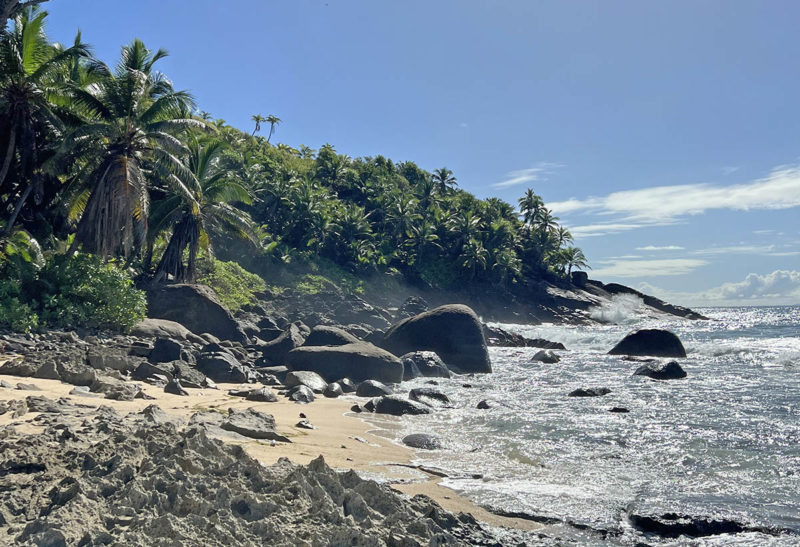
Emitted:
<point x="18" y="208"/>
<point x="12" y="140"/>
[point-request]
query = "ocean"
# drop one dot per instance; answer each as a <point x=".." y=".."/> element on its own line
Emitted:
<point x="722" y="444"/>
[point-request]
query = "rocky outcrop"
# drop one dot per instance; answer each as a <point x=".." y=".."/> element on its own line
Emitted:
<point x="453" y="331"/>
<point x="311" y="380"/>
<point x="652" y="342"/>
<point x="423" y="363"/>
<point x="275" y="352"/>
<point x="358" y="361"/>
<point x="496" y="336"/>
<point x="590" y="392"/>
<point x="196" y="307"/>
<point x="546" y="356"/>
<point x="163" y="328"/>
<point x="661" y="371"/>
<point x="429" y="396"/>
<point x="223" y="367"/>
<point x="422" y="441"/>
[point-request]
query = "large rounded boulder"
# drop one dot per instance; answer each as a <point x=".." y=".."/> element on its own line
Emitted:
<point x="653" y="342"/>
<point x="453" y="331"/>
<point x="358" y="361"/>
<point x="323" y="335"/>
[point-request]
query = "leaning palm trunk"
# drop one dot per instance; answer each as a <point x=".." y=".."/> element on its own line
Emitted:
<point x="115" y="219"/>
<point x="185" y="234"/>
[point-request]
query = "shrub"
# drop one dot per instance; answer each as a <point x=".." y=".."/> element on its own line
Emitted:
<point x="70" y="291"/>
<point x="234" y="285"/>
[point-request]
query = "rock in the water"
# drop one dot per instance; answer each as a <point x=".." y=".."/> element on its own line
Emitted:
<point x="312" y="380"/>
<point x="423" y="363"/>
<point x="619" y="410"/>
<point x="653" y="342"/>
<point x="174" y="387"/>
<point x="371" y="388"/>
<point x="165" y="350"/>
<point x="672" y="525"/>
<point x="322" y="335"/>
<point x="301" y="394"/>
<point x="397" y="406"/>
<point x="486" y="404"/>
<point x="196" y="307"/>
<point x="661" y="371"/>
<point x="223" y="368"/>
<point x="276" y="351"/>
<point x="333" y="390"/>
<point x="498" y="337"/>
<point x="546" y="356"/>
<point x="453" y="331"/>
<point x="423" y="441"/>
<point x="429" y="396"/>
<point x="252" y="423"/>
<point x="590" y="392"/>
<point x="262" y="395"/>
<point x="358" y="361"/>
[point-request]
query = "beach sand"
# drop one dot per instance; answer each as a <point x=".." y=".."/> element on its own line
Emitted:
<point x="340" y="436"/>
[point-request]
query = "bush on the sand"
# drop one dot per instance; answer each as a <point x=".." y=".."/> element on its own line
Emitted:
<point x="235" y="286"/>
<point x="69" y="291"/>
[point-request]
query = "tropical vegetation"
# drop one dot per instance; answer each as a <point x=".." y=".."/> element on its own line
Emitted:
<point x="116" y="170"/>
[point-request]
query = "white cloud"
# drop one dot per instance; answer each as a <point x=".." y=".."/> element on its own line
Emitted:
<point x="660" y="248"/>
<point x="602" y="229"/>
<point x="768" y="250"/>
<point x="781" y="287"/>
<point x="647" y="268"/>
<point x="532" y="174"/>
<point x="663" y="205"/>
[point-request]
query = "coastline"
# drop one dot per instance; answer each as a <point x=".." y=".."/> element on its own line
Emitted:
<point x="344" y="439"/>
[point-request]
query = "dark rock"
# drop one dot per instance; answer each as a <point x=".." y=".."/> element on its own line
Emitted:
<point x="278" y="373"/>
<point x="369" y="406"/>
<point x="16" y="367"/>
<point x="306" y="378"/>
<point x="165" y="350"/>
<point x="28" y="387"/>
<point x="579" y="279"/>
<point x="619" y="410"/>
<point x="304" y="424"/>
<point x="661" y="371"/>
<point x="147" y="370"/>
<point x="423" y="441"/>
<point x="114" y="389"/>
<point x="275" y="352"/>
<point x="111" y="358"/>
<point x="262" y="395"/>
<point x="162" y="328"/>
<point x="348" y="386"/>
<point x="423" y="363"/>
<point x="75" y="373"/>
<point x="196" y="307"/>
<point x="498" y="337"/>
<point x="358" y="361"/>
<point x="223" y="368"/>
<point x="454" y="332"/>
<point x="242" y="392"/>
<point x="252" y="423"/>
<point x="414" y="305"/>
<point x="47" y="371"/>
<point x="590" y="392"/>
<point x="486" y="404"/>
<point x="397" y="406"/>
<point x="429" y="396"/>
<point x="371" y="388"/>
<point x="322" y="335"/>
<point x="189" y="376"/>
<point x="654" y="342"/>
<point x="357" y="310"/>
<point x="357" y="409"/>
<point x="140" y="349"/>
<point x="333" y="390"/>
<point x="174" y="387"/>
<point x="301" y="394"/>
<point x="546" y="356"/>
<point x="672" y="525"/>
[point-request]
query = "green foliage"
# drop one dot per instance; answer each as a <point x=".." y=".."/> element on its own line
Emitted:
<point x="70" y="291"/>
<point x="234" y="285"/>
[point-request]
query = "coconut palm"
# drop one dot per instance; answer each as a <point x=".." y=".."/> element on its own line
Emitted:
<point x="444" y="180"/>
<point x="11" y="8"/>
<point x="258" y="119"/>
<point x="273" y="121"/>
<point x="530" y="205"/>
<point x="207" y="212"/>
<point x="29" y="83"/>
<point x="134" y="130"/>
<point x="574" y="258"/>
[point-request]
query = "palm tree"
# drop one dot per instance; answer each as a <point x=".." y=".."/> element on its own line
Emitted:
<point x="444" y="180"/>
<point x="29" y="83"/>
<point x="209" y="212"/>
<point x="474" y="257"/>
<point x="11" y="8"/>
<point x="306" y="152"/>
<point x="273" y="121"/>
<point x="530" y="205"/>
<point x="574" y="258"/>
<point x="563" y="236"/>
<point x="258" y="119"/>
<point x="133" y="131"/>
<point x="545" y="221"/>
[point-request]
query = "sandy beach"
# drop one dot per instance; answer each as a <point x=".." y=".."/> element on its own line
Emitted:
<point x="344" y="439"/>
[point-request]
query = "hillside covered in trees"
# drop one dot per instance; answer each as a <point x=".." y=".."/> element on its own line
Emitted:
<point x="110" y="177"/>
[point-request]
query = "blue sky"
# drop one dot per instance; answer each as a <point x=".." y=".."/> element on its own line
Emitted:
<point x="665" y="134"/>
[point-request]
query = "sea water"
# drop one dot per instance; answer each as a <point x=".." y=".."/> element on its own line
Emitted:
<point x="722" y="443"/>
